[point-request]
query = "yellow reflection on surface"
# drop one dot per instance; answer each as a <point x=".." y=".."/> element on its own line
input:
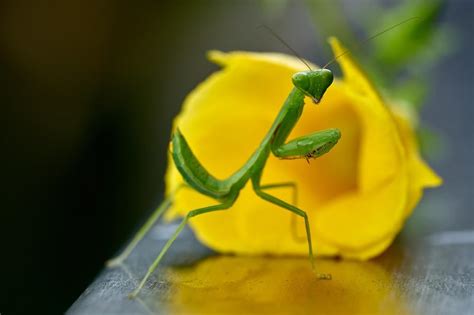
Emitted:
<point x="263" y="285"/>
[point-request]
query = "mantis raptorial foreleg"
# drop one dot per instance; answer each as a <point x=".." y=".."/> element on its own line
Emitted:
<point x="167" y="202"/>
<point x="308" y="146"/>
<point x="294" y="201"/>
<point x="223" y="206"/>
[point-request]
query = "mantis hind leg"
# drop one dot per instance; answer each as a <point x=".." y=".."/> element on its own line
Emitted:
<point x="294" y="201"/>
<point x="272" y="199"/>
<point x="223" y="206"/>
<point x="144" y="229"/>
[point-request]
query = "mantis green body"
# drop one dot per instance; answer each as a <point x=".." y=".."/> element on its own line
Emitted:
<point x="313" y="84"/>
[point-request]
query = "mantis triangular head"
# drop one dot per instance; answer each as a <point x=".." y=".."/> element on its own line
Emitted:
<point x="313" y="83"/>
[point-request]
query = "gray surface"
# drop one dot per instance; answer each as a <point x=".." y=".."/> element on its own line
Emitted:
<point x="428" y="273"/>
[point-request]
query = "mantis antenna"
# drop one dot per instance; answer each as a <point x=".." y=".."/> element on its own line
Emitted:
<point x="368" y="39"/>
<point x="286" y="44"/>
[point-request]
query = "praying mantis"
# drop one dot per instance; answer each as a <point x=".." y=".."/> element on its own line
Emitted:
<point x="309" y="83"/>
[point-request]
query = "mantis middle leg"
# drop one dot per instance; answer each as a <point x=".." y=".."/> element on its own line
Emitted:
<point x="294" y="187"/>
<point x="272" y="199"/>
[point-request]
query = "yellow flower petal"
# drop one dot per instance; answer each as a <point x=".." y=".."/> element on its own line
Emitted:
<point x="380" y="134"/>
<point x="419" y="173"/>
<point x="356" y="221"/>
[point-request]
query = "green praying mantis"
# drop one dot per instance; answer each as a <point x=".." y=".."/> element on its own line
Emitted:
<point x="310" y="83"/>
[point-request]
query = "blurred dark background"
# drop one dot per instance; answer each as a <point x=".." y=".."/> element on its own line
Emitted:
<point x="88" y="93"/>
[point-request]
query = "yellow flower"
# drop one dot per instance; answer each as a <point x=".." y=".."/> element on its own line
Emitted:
<point x="357" y="196"/>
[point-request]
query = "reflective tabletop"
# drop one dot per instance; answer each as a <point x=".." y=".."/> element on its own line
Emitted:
<point x="423" y="272"/>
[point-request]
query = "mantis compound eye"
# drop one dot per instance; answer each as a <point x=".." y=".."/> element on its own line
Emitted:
<point x="301" y="80"/>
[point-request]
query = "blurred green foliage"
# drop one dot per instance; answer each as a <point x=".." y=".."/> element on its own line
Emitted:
<point x="409" y="52"/>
